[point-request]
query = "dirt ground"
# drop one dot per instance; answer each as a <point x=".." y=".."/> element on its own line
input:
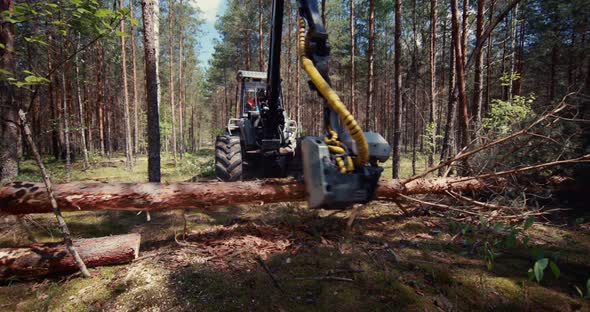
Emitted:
<point x="285" y="257"/>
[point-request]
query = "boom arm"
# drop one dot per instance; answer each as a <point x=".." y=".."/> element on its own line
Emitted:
<point x="340" y="168"/>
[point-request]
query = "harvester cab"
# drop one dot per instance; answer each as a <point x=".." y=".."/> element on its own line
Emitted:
<point x="339" y="168"/>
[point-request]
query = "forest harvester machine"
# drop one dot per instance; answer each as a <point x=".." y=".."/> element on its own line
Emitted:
<point x="340" y="168"/>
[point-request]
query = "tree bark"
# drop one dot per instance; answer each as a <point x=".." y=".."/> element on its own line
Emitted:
<point x="41" y="259"/>
<point x="171" y="82"/>
<point x="135" y="94"/>
<point x="81" y="110"/>
<point x="261" y="66"/>
<point x="397" y="123"/>
<point x="128" y="147"/>
<point x="180" y="83"/>
<point x="460" y="72"/>
<point x="100" y="96"/>
<point x="9" y="126"/>
<point x="433" y="108"/>
<point x="27" y="197"/>
<point x="478" y="77"/>
<point x="66" y="125"/>
<point x="449" y="138"/>
<point x="512" y="52"/>
<point x="151" y="45"/>
<point x="369" y="122"/>
<point x="415" y="77"/>
<point x="352" y="64"/>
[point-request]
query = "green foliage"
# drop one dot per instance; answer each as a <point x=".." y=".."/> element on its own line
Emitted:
<point x="539" y="268"/>
<point x="86" y="18"/>
<point x="506" y="79"/>
<point x="430" y="137"/>
<point x="504" y="115"/>
<point x="496" y="237"/>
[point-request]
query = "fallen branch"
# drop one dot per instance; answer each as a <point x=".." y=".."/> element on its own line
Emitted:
<point x="465" y="154"/>
<point x="42" y="259"/>
<point x="25" y="197"/>
<point x="48" y="191"/>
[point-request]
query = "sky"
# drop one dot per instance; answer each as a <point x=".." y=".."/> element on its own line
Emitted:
<point x="211" y="9"/>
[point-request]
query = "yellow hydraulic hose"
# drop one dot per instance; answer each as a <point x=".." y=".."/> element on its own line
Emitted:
<point x="337" y="106"/>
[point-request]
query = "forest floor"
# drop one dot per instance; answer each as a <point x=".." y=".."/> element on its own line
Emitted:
<point x="284" y="257"/>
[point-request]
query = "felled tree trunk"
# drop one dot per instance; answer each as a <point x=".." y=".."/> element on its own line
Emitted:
<point x="42" y="259"/>
<point x="24" y="197"/>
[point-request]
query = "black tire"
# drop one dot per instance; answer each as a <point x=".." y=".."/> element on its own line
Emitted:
<point x="228" y="158"/>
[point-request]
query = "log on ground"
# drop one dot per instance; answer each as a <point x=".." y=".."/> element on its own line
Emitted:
<point x="26" y="197"/>
<point x="43" y="259"/>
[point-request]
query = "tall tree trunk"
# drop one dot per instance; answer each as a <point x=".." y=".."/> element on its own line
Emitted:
<point x="288" y="89"/>
<point x="512" y="52"/>
<point x="128" y="144"/>
<point x="247" y="41"/>
<point x="415" y="75"/>
<point x="324" y="13"/>
<point x="66" y="123"/>
<point x="108" y="111"/>
<point x="433" y="107"/>
<point x="261" y="66"/>
<point x="135" y="95"/>
<point x="478" y="77"/>
<point x="369" y="125"/>
<point x="397" y="123"/>
<point x="150" y="10"/>
<point x="9" y="125"/>
<point x="352" y="61"/>
<point x="449" y="138"/>
<point x="52" y="106"/>
<point x="100" y="98"/>
<point x="460" y="71"/>
<point x="180" y="84"/>
<point x="81" y="109"/>
<point x="171" y="82"/>
<point x="297" y="84"/>
<point x="489" y="64"/>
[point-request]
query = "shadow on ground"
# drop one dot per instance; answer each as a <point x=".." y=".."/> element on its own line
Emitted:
<point x="283" y="257"/>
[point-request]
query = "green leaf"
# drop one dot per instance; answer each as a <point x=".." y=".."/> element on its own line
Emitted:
<point x="35" y="40"/>
<point x="579" y="221"/>
<point x="555" y="269"/>
<point x="529" y="222"/>
<point x="103" y="13"/>
<point x="83" y="10"/>
<point x="5" y="72"/>
<point x="531" y="274"/>
<point x="539" y="268"/>
<point x="134" y="21"/>
<point x="32" y="80"/>
<point x="120" y="33"/>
